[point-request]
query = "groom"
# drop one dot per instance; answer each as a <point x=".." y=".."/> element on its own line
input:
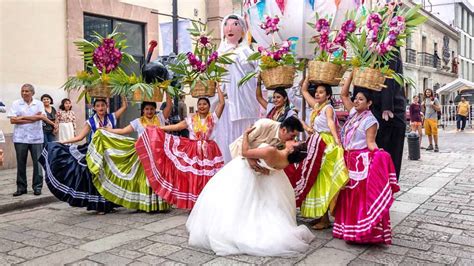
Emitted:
<point x="269" y="132"/>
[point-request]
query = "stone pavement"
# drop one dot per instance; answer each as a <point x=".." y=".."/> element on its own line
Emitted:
<point x="8" y="187"/>
<point x="433" y="219"/>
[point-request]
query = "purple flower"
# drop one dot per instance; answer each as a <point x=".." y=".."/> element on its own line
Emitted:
<point x="322" y="24"/>
<point x="107" y="57"/>
<point x="270" y="25"/>
<point x="348" y="26"/>
<point x="213" y="57"/>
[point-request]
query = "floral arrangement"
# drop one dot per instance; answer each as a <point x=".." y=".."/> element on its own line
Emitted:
<point x="204" y="63"/>
<point x="381" y="32"/>
<point x="335" y="50"/>
<point x="274" y="56"/>
<point x="102" y="58"/>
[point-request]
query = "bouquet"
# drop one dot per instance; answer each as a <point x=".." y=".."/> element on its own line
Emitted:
<point x="204" y="67"/>
<point x="330" y="62"/>
<point x="103" y="75"/>
<point x="277" y="61"/>
<point x="382" y="31"/>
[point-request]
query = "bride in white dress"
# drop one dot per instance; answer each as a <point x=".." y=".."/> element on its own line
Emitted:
<point x="242" y="212"/>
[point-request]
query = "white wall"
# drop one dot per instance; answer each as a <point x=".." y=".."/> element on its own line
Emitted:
<point x="32" y="50"/>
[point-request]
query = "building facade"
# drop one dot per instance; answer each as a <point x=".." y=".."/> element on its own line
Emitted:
<point x="460" y="15"/>
<point x="40" y="50"/>
<point x="428" y="55"/>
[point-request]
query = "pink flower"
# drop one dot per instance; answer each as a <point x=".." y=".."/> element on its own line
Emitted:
<point x="107" y="57"/>
<point x="348" y="26"/>
<point x="322" y="25"/>
<point x="270" y="25"/>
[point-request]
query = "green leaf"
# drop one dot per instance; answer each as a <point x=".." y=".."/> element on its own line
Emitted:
<point x="254" y="56"/>
<point x="246" y="78"/>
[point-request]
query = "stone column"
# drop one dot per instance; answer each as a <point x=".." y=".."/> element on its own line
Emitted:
<point x="216" y="11"/>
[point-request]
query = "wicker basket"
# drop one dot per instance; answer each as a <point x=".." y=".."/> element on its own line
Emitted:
<point x="320" y="72"/>
<point x="278" y="77"/>
<point x="99" y="91"/>
<point x="369" y="78"/>
<point x="202" y="90"/>
<point x="157" y="96"/>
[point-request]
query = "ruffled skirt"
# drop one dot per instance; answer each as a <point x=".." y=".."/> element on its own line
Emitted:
<point x="177" y="168"/>
<point x="118" y="174"/>
<point x="331" y="178"/>
<point x="362" y="210"/>
<point x="69" y="179"/>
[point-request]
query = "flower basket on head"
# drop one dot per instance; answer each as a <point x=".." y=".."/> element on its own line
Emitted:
<point x="369" y="78"/>
<point x="139" y="96"/>
<point x="320" y="72"/>
<point x="330" y="63"/>
<point x="103" y="77"/>
<point x="379" y="37"/>
<point x="99" y="91"/>
<point x="204" y="89"/>
<point x="278" y="77"/>
<point x="278" y="62"/>
<point x="203" y="68"/>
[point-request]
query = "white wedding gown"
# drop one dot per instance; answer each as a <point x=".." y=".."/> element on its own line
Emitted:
<point x="242" y="212"/>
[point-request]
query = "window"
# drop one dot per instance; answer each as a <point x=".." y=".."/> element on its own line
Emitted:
<point x="134" y="32"/>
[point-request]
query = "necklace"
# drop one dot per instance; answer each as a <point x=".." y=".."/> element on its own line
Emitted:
<point x="316" y="110"/>
<point x="154" y="121"/>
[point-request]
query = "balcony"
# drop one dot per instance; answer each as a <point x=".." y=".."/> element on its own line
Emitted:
<point x="426" y="59"/>
<point x="410" y="56"/>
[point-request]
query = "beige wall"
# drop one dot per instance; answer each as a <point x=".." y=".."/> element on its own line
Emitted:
<point x="32" y="50"/>
<point x="185" y="10"/>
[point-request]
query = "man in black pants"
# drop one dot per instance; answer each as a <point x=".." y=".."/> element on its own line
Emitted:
<point x="389" y="108"/>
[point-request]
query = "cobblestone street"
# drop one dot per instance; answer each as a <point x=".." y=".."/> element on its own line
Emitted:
<point x="432" y="219"/>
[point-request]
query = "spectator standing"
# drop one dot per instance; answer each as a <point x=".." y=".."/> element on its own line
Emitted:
<point x="66" y="120"/>
<point x="463" y="113"/>
<point x="415" y="116"/>
<point x="27" y="114"/>
<point x="50" y="127"/>
<point x="431" y="107"/>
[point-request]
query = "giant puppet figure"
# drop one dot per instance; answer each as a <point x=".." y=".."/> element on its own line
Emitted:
<point x="241" y="107"/>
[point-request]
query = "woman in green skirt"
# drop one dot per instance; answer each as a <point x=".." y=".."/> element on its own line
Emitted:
<point x="117" y="172"/>
<point x="325" y="154"/>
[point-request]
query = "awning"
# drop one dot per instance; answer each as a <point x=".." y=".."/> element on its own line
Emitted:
<point x="457" y="85"/>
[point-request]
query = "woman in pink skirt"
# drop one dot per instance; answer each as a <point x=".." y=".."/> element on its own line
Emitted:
<point x="362" y="210"/>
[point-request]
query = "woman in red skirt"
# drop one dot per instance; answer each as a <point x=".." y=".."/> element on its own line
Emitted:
<point x="178" y="168"/>
<point x="362" y="210"/>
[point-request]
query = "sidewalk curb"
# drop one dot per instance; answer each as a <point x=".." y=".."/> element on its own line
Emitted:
<point x="28" y="203"/>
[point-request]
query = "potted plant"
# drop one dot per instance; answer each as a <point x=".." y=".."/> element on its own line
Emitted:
<point x="203" y="68"/>
<point x="382" y="31"/>
<point x="329" y="64"/>
<point x="277" y="63"/>
<point x="103" y="76"/>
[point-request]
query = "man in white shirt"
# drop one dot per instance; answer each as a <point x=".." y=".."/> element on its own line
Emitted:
<point x="27" y="115"/>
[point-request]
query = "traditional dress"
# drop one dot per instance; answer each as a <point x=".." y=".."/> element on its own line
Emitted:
<point x="67" y="124"/>
<point x="318" y="179"/>
<point x="117" y="172"/>
<point x="362" y="210"/>
<point x="243" y="212"/>
<point x="279" y="114"/>
<point x="67" y="175"/>
<point x="178" y="168"/>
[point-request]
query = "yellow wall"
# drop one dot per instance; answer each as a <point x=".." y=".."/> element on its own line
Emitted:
<point x="32" y="50"/>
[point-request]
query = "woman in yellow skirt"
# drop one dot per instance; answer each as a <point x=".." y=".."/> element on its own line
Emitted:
<point x="318" y="179"/>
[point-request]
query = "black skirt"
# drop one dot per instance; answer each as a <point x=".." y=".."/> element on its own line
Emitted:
<point x="69" y="179"/>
